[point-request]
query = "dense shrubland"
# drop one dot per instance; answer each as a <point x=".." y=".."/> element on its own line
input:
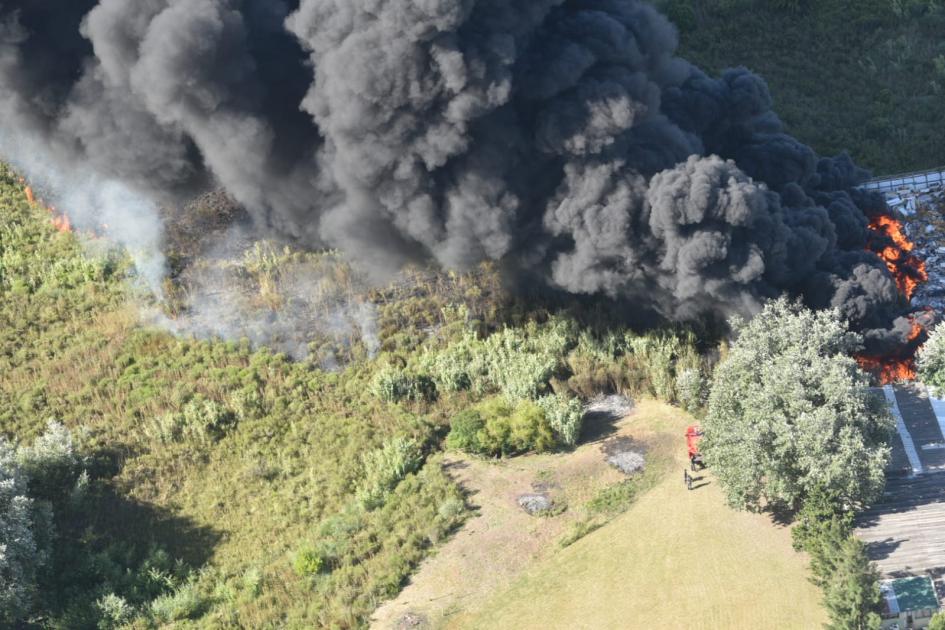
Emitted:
<point x="230" y="485"/>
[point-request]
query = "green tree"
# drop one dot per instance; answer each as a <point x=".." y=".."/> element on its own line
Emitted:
<point x="851" y="590"/>
<point x="790" y="411"/>
<point x="931" y="359"/>
<point x="19" y="556"/>
<point x="937" y="622"/>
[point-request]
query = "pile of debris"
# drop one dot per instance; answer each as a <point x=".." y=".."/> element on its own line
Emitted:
<point x="924" y="223"/>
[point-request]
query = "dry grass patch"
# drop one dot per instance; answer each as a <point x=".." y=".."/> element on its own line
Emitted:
<point x="501" y="542"/>
<point x="676" y="559"/>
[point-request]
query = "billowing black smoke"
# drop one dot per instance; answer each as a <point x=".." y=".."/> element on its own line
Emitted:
<point x="562" y="137"/>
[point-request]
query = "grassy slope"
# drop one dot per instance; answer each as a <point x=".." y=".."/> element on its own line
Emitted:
<point x="845" y="74"/>
<point x="492" y="549"/>
<point x="676" y="559"/>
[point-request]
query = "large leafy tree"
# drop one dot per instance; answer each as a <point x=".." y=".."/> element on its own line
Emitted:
<point x="790" y="411"/>
<point x="932" y="360"/>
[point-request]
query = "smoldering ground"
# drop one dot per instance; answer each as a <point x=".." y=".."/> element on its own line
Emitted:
<point x="563" y="138"/>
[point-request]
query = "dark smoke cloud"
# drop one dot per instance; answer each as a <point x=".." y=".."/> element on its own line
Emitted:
<point x="565" y="137"/>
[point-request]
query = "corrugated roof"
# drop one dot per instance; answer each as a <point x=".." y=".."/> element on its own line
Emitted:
<point x="912" y="593"/>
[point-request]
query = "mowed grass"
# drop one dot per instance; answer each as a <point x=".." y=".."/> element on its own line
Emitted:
<point x="676" y="559"/>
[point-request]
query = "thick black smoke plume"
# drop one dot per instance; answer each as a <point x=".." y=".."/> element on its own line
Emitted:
<point x="562" y="137"/>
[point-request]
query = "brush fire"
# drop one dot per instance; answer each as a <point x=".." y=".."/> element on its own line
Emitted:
<point x="59" y="221"/>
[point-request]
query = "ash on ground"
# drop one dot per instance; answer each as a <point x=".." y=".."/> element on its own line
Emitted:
<point x="535" y="503"/>
<point x="627" y="462"/>
<point x="412" y="621"/>
<point x="607" y="408"/>
<point x="624" y="453"/>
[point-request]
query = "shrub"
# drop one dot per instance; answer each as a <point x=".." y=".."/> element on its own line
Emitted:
<point x="455" y="368"/>
<point x="496" y="427"/>
<point x="185" y="602"/>
<point x="655" y="355"/>
<point x="200" y="422"/>
<point x="393" y="385"/>
<point x="54" y="469"/>
<point x="509" y="430"/>
<point x="115" y="611"/>
<point x="464" y="430"/>
<point x="565" y="415"/>
<point x="518" y="362"/>
<point x="384" y="468"/>
<point x="247" y="403"/>
<point x="931" y="360"/>
<point x="206" y="421"/>
<point x="308" y="562"/>
<point x="690" y="389"/>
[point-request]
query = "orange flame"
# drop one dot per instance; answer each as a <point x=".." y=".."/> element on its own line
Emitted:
<point x="59" y="221"/>
<point x="890" y="369"/>
<point x="908" y="270"/>
<point x="889" y="241"/>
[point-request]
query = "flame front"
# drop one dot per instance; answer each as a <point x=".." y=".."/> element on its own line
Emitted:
<point x="890" y="369"/>
<point x="59" y="221"/>
<point x="908" y="270"/>
<point x="888" y="240"/>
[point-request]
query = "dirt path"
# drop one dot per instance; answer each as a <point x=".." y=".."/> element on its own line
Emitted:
<point x="494" y="547"/>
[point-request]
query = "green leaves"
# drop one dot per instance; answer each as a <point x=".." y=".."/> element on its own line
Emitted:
<point x="931" y="360"/>
<point x="790" y="411"/>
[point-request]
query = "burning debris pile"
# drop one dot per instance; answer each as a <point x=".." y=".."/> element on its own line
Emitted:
<point x="564" y="140"/>
<point x="926" y="229"/>
<point x="910" y="239"/>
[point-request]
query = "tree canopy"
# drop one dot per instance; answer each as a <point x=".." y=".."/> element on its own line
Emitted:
<point x="790" y="411"/>
<point x="931" y="359"/>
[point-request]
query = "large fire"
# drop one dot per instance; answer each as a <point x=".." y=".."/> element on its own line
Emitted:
<point x="908" y="270"/>
<point x="896" y="367"/>
<point x="889" y="241"/>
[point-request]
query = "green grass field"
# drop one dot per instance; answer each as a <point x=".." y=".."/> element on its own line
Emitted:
<point x="676" y="559"/>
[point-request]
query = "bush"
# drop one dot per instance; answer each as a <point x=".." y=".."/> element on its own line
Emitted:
<point x="565" y="415"/>
<point x="464" y="431"/>
<point x="185" y="602"/>
<point x="52" y="466"/>
<point x="200" y="422"/>
<point x="518" y="362"/>
<point x="393" y="385"/>
<point x="206" y="421"/>
<point x="931" y="360"/>
<point x="115" y="611"/>
<point x="690" y="389"/>
<point x="308" y="562"/>
<point x="384" y="468"/>
<point x="824" y="529"/>
<point x="495" y="427"/>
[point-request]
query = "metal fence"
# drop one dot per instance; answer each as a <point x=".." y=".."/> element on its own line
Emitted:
<point x="923" y="180"/>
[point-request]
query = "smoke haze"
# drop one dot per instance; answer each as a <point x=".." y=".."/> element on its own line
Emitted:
<point x="563" y="138"/>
